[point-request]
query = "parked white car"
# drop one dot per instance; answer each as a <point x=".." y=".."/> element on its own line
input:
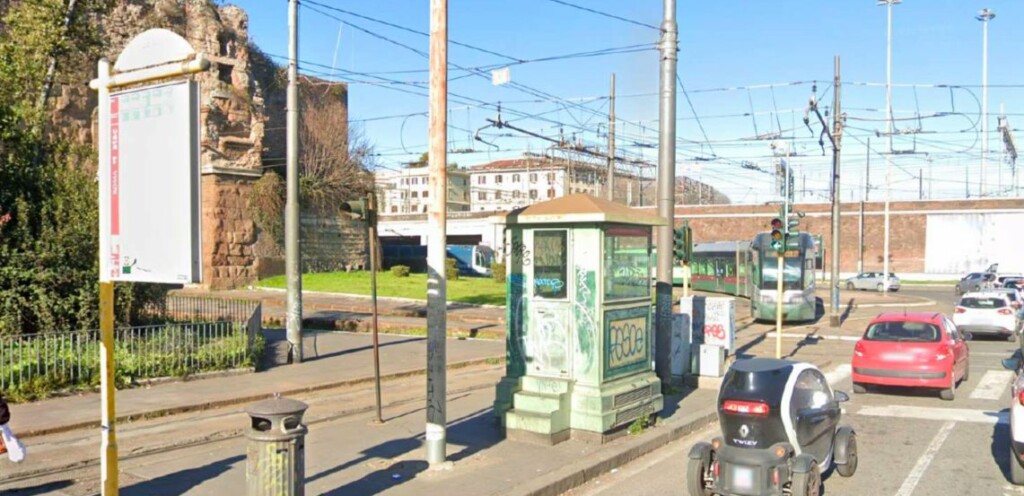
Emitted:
<point x="1016" y="419"/>
<point x="987" y="313"/>
<point x="872" y="281"/>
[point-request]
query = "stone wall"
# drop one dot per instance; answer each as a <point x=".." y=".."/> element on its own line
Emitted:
<point x="228" y="232"/>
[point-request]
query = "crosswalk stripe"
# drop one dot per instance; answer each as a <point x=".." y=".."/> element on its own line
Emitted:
<point x="992" y="385"/>
<point x="931" y="413"/>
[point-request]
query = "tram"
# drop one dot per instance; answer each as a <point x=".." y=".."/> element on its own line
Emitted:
<point x="749" y="269"/>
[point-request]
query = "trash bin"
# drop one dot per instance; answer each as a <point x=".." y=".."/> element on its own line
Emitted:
<point x="275" y="455"/>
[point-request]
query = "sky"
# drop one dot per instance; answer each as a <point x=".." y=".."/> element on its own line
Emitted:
<point x="748" y="68"/>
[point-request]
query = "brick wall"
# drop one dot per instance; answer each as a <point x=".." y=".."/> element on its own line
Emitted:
<point x="908" y="227"/>
<point x="229" y="234"/>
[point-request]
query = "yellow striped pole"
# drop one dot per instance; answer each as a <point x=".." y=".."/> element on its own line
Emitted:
<point x="108" y="446"/>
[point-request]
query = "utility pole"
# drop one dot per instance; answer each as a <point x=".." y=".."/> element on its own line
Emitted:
<point x="984" y="15"/>
<point x="437" y="283"/>
<point x="860" y="241"/>
<point x="888" y="133"/>
<point x="293" y="257"/>
<point x="920" y="184"/>
<point x="666" y="194"/>
<point x="611" y="142"/>
<point x="837" y="137"/>
<point x="371" y="221"/>
<point x="867" y="174"/>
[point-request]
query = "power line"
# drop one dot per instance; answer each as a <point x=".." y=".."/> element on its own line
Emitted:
<point x="606" y="14"/>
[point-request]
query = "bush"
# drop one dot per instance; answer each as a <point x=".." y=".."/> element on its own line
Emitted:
<point x="498" y="271"/>
<point x="400" y="270"/>
<point x="450" y="270"/>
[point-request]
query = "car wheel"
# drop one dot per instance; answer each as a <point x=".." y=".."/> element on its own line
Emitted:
<point x="1016" y="470"/>
<point x="879" y="287"/>
<point x="849" y="286"/>
<point x="847" y="469"/>
<point x="859" y="388"/>
<point x="807" y="483"/>
<point x="695" y="471"/>
<point x="967" y="372"/>
<point x="958" y="291"/>
<point x="949" y="393"/>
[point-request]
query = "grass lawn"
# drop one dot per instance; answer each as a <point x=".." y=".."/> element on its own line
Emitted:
<point x="479" y="290"/>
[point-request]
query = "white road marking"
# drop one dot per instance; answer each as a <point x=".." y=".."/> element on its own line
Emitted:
<point x="910" y="483"/>
<point x="928" y="413"/>
<point x="838" y="374"/>
<point x="992" y="385"/>
<point x="991" y="354"/>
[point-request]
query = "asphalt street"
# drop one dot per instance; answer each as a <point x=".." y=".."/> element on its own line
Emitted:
<point x="910" y="441"/>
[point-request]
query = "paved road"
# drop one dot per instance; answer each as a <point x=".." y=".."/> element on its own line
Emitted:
<point x="911" y="442"/>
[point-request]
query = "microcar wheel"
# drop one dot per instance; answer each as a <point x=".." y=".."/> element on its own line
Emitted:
<point x="949" y="393"/>
<point x="695" y="471"/>
<point x="1016" y="470"/>
<point x="807" y="483"/>
<point x="879" y="288"/>
<point x="849" y="285"/>
<point x="859" y="388"/>
<point x="847" y="469"/>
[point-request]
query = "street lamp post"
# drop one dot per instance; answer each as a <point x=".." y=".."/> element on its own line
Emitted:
<point x="888" y="132"/>
<point x="984" y="15"/>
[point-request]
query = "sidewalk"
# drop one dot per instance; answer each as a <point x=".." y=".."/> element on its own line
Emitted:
<point x="344" y="359"/>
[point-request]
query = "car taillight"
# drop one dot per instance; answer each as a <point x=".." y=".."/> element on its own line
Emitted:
<point x="960" y="310"/>
<point x="942" y="353"/>
<point x="1020" y="397"/>
<point x="755" y="408"/>
<point x="859" y="349"/>
<point x="1005" y="311"/>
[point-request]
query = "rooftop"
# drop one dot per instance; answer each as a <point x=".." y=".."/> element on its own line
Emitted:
<point x="581" y="207"/>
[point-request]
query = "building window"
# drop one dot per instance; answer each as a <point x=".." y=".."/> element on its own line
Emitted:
<point x="497" y="179"/>
<point x="533" y="194"/>
<point x="482" y="195"/>
<point x="425" y="194"/>
<point x="551" y="177"/>
<point x="515" y="178"/>
<point x="424" y="209"/>
<point x="533" y="177"/>
<point x="515" y="194"/>
<point x="415" y="194"/>
<point x="551" y="193"/>
<point x="481" y="179"/>
<point x="394" y="209"/>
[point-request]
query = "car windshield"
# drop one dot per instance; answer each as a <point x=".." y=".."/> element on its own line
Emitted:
<point x="982" y="302"/>
<point x="903" y="331"/>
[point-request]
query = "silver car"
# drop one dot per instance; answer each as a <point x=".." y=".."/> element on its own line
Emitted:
<point x="975" y="281"/>
<point x="872" y="281"/>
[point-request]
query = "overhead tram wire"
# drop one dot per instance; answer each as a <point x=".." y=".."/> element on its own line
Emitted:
<point x="606" y="14"/>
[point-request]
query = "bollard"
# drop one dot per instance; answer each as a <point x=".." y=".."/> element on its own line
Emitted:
<point x="275" y="455"/>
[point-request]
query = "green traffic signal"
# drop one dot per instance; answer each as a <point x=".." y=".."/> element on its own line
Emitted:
<point x="682" y="243"/>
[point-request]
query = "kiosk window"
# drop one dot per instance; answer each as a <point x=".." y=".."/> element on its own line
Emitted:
<point x="627" y="262"/>
<point x="550" y="265"/>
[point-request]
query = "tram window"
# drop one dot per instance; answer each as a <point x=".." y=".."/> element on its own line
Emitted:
<point x="792" y="274"/>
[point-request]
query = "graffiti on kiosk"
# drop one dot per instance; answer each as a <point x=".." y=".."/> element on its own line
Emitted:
<point x="518" y="250"/>
<point x="549" y="285"/>
<point x="627" y="342"/>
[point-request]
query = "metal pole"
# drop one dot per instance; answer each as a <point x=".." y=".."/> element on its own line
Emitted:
<point x="108" y="414"/>
<point x="984" y="16"/>
<point x="867" y="174"/>
<point x="611" y="142"/>
<point x="860" y="241"/>
<point x="888" y="156"/>
<point x="374" y="261"/>
<point x="666" y="193"/>
<point x="837" y="137"/>
<point x="293" y="262"/>
<point x="920" y="184"/>
<point x="437" y="284"/>
<point x="778" y="305"/>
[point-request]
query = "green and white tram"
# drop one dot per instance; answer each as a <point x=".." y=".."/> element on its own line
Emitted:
<point x="749" y="269"/>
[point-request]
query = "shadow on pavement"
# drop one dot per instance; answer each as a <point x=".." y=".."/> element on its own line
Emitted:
<point x="46" y="488"/>
<point x="182" y="481"/>
<point x="474" y="433"/>
<point x="1001" y="446"/>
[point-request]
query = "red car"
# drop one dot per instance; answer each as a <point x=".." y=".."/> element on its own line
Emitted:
<point x="922" y="350"/>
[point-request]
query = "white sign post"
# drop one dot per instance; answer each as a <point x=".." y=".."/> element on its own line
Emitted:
<point x="149" y="189"/>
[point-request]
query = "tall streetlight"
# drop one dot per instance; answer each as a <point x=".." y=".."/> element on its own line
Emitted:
<point x="888" y="132"/>
<point x="984" y="15"/>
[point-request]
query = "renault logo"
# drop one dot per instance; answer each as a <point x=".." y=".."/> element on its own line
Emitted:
<point x="744" y="430"/>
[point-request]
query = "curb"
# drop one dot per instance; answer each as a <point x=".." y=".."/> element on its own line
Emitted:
<point x="559" y="482"/>
<point x="209" y="405"/>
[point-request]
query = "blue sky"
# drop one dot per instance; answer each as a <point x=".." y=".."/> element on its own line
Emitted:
<point x="737" y="57"/>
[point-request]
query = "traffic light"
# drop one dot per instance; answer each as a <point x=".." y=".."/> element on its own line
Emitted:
<point x="778" y="236"/>
<point x="360" y="209"/>
<point x="682" y="243"/>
